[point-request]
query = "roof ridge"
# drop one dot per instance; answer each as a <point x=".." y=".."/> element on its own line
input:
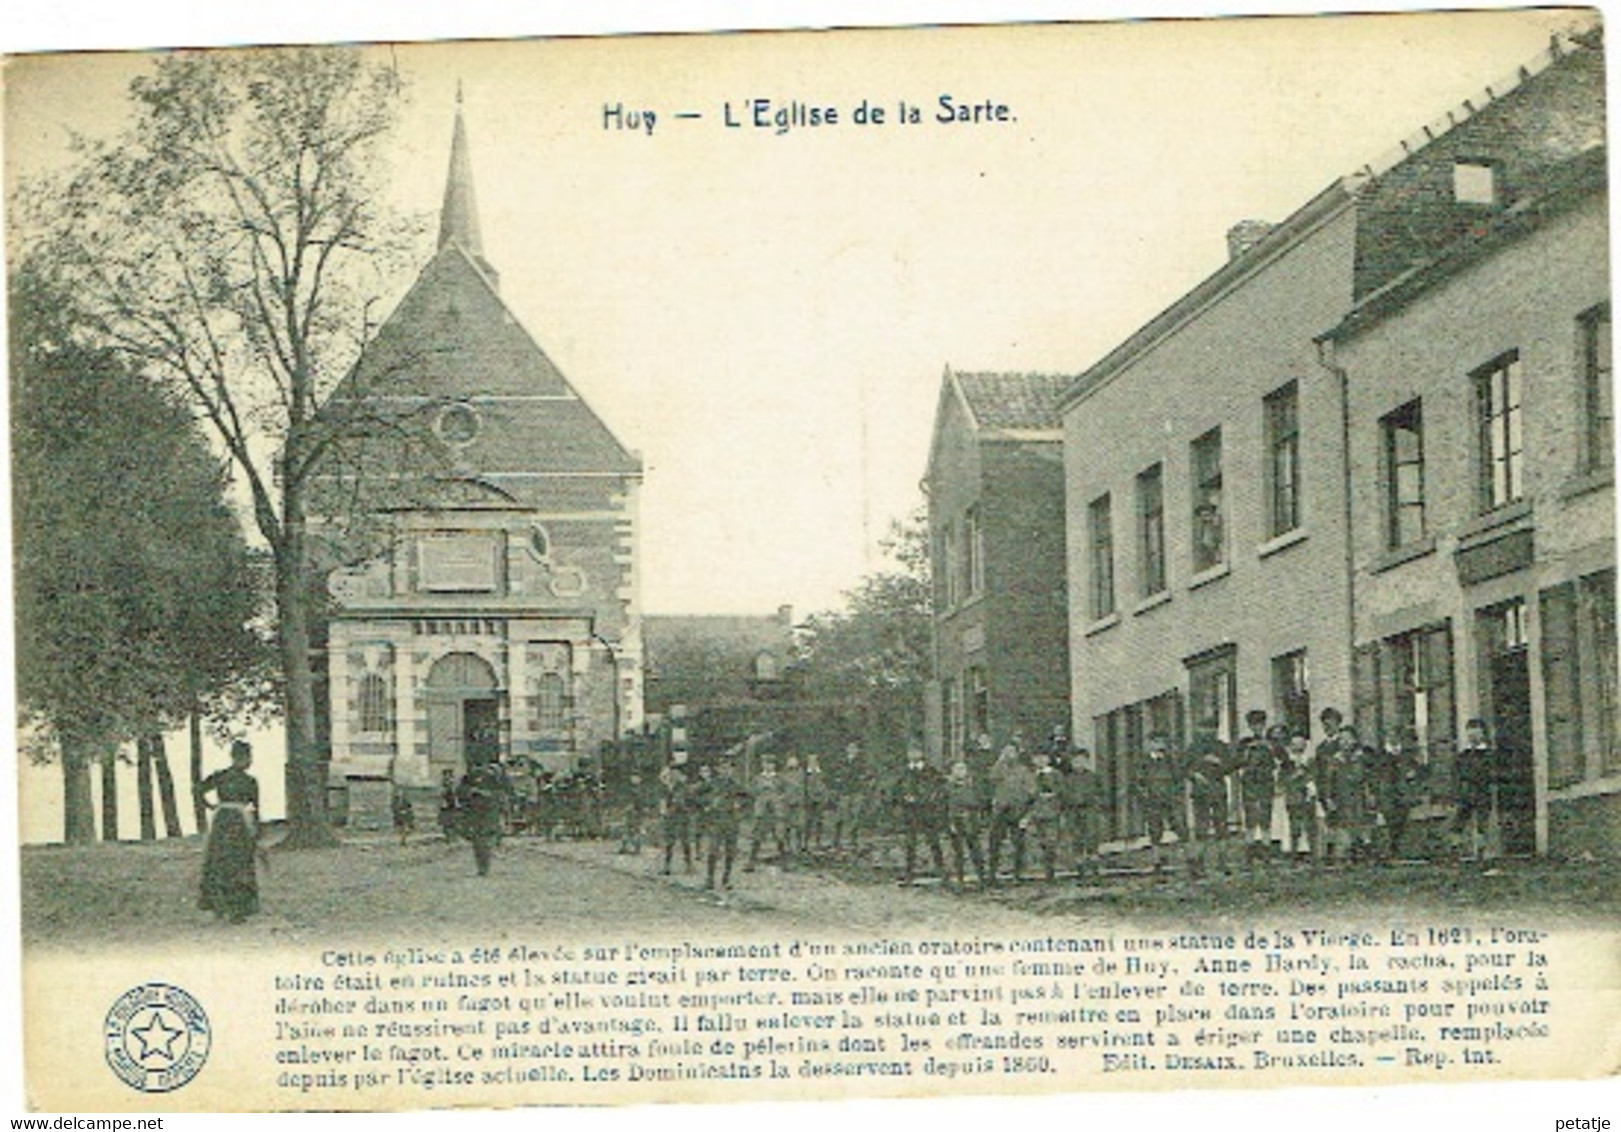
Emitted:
<point x="1561" y="45"/>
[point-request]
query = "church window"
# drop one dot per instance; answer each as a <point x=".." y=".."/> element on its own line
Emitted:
<point x="457" y="425"/>
<point x="550" y="701"/>
<point x="376" y="710"/>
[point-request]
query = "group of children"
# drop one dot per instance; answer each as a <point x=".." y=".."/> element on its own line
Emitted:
<point x="1345" y="801"/>
<point x="1270" y="793"/>
<point x="1044" y="801"/>
<point x="790" y="811"/>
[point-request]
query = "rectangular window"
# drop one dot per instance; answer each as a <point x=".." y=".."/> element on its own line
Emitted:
<point x="1403" y="432"/>
<point x="376" y="705"/>
<point x="1213" y="692"/>
<point x="1598" y="395"/>
<point x="1502" y="441"/>
<point x="949" y="730"/>
<point x="1474" y="181"/>
<point x="1291" y="691"/>
<point x="948" y="565"/>
<point x="973" y="552"/>
<point x="1151" y="530"/>
<point x="1404" y="684"/>
<point x="1102" y="543"/>
<point x="1209" y="539"/>
<point x="551" y="701"/>
<point x="1165" y="716"/>
<point x="1283" y="459"/>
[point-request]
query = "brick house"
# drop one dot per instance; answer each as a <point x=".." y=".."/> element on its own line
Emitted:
<point x="1229" y="545"/>
<point x="485" y="597"/>
<point x="1477" y="368"/>
<point x="733" y="675"/>
<point x="1203" y="471"/>
<point x="995" y="485"/>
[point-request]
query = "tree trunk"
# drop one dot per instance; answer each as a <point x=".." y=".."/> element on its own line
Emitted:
<point x="198" y="810"/>
<point x="143" y="787"/>
<point x="109" y="791"/>
<point x="307" y="826"/>
<point x="78" y="813"/>
<point x="166" y="797"/>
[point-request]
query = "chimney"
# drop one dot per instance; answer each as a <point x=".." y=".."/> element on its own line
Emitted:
<point x="785" y="615"/>
<point x="1244" y="235"/>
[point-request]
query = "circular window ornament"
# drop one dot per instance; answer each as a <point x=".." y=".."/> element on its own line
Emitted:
<point x="457" y="425"/>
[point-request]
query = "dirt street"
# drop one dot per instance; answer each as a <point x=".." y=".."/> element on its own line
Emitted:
<point x="89" y="898"/>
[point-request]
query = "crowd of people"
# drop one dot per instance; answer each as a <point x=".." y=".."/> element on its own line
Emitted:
<point x="1270" y="795"/>
<point x="792" y="810"/>
<point x="1343" y="801"/>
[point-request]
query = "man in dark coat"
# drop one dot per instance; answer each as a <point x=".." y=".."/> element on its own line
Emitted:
<point x="850" y="786"/>
<point x="1013" y="789"/>
<point x="965" y="821"/>
<point x="1343" y="789"/>
<point x="1393" y="768"/>
<point x="1257" y="759"/>
<point x="676" y="810"/>
<point x="483" y="796"/>
<point x="725" y="800"/>
<point x="1083" y="801"/>
<point x="920" y="800"/>
<point x="1475" y="777"/>
<point x="1209" y="763"/>
<point x="1160" y="793"/>
<point x="1045" y="815"/>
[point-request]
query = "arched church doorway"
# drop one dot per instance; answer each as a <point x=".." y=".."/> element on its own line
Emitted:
<point x="464" y="714"/>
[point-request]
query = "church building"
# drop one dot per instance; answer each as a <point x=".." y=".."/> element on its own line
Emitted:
<point x="484" y="599"/>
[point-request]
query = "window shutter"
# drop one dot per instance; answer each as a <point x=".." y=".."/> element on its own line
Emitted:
<point x="1560" y="673"/>
<point x="1443" y="710"/>
<point x="1438" y="675"/>
<point x="1389" y="713"/>
<point x="1365" y="690"/>
<point x="1597" y="610"/>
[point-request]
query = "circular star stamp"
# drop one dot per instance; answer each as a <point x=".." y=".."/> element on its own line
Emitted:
<point x="157" y="1037"/>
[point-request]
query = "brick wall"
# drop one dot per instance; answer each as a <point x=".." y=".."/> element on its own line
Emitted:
<point x="1214" y="370"/>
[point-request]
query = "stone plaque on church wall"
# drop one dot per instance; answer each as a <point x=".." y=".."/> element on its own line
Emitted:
<point x="459" y="563"/>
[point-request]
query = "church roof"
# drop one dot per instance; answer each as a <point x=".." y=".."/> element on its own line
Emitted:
<point x="453" y="340"/>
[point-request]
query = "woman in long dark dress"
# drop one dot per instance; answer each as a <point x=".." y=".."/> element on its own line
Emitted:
<point x="230" y="884"/>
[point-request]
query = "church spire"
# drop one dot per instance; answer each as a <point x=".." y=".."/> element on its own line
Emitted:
<point x="458" y="219"/>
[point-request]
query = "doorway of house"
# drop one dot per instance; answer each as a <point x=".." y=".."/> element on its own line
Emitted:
<point x="480" y="731"/>
<point x="1508" y="674"/>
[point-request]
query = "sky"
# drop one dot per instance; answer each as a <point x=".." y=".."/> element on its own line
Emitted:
<point x="766" y="314"/>
<point x="767" y="318"/>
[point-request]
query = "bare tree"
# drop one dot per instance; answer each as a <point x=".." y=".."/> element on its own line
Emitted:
<point x="232" y="242"/>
